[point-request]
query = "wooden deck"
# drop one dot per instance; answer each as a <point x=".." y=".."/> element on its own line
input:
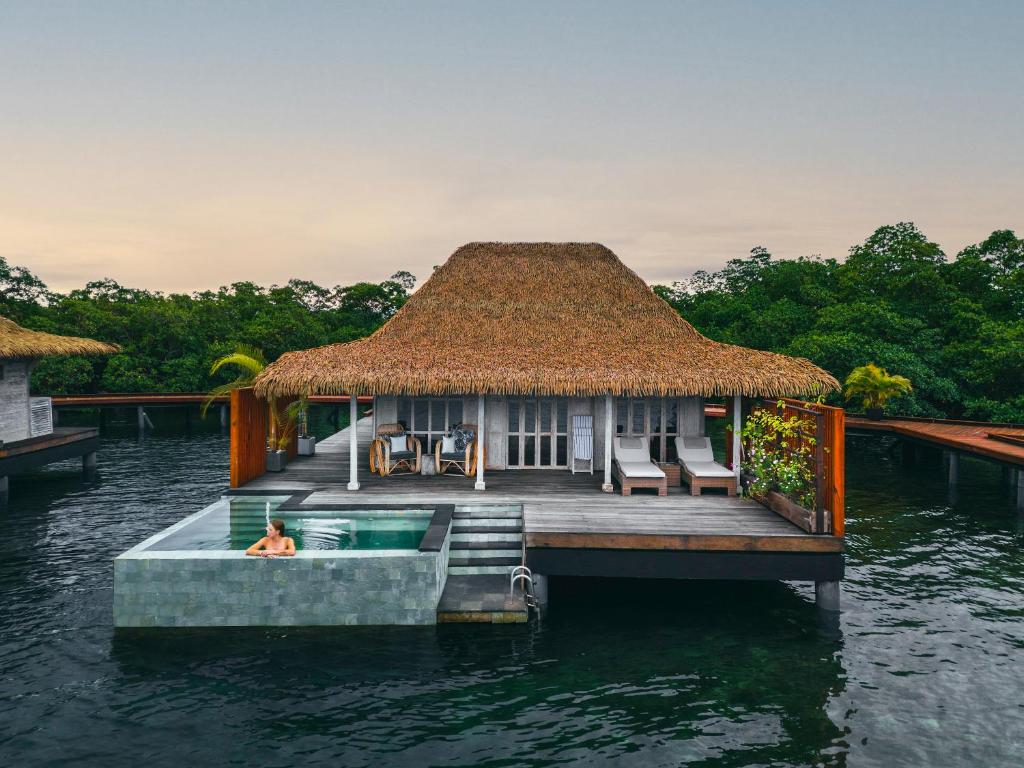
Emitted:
<point x="560" y="510"/>
<point x="1000" y="442"/>
<point x="63" y="443"/>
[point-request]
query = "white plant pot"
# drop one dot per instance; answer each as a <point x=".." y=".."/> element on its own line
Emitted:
<point x="307" y="445"/>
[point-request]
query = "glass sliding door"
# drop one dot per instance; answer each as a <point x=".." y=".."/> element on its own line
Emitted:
<point x="538" y="433"/>
<point x="430" y="418"/>
<point x="655" y="418"/>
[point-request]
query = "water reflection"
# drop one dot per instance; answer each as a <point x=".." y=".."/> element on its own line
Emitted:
<point x="923" y="667"/>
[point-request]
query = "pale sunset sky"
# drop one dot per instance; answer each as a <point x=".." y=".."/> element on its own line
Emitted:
<point x="181" y="146"/>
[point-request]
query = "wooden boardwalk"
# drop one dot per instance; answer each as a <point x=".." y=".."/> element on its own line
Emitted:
<point x="560" y="509"/>
<point x="1000" y="442"/>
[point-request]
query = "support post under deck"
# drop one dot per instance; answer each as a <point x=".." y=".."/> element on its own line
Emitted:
<point x="954" y="469"/>
<point x="89" y="465"/>
<point x="4" y="492"/>
<point x="826" y="595"/>
<point x="353" y="443"/>
<point x="1020" y="490"/>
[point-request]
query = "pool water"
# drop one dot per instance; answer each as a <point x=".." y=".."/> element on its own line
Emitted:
<point x="240" y="521"/>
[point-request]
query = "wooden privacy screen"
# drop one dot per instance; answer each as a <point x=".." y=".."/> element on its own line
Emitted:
<point x="830" y="425"/>
<point x="248" y="436"/>
<point x="830" y="461"/>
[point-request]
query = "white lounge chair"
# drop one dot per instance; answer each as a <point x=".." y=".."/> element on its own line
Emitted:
<point x="634" y="468"/>
<point x="700" y="468"/>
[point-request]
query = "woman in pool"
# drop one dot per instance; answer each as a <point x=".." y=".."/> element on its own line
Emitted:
<point x="274" y="544"/>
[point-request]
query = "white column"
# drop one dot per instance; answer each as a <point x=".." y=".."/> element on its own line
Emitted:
<point x="737" y="428"/>
<point x="353" y="443"/>
<point x="481" y="442"/>
<point x="608" y="418"/>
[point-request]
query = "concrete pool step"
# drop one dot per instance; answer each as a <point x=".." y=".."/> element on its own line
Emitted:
<point x="490" y="551"/>
<point x="509" y="562"/>
<point x="480" y="598"/>
<point x="488" y="513"/>
<point x="476" y="570"/>
<point x="509" y="539"/>
<point x="489" y="526"/>
<point x="477" y="544"/>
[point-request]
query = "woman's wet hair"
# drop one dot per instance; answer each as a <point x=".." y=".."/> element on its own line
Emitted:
<point x="278" y="525"/>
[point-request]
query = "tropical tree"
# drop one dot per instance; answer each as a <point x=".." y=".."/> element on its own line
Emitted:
<point x="248" y="360"/>
<point x="874" y="386"/>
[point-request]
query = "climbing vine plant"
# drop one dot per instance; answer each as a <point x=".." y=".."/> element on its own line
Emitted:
<point x="779" y="454"/>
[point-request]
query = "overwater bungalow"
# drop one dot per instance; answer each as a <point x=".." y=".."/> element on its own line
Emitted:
<point x="546" y="410"/>
<point x="28" y="438"/>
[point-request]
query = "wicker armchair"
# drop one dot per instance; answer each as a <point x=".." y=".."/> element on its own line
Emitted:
<point x="462" y="461"/>
<point x="386" y="462"/>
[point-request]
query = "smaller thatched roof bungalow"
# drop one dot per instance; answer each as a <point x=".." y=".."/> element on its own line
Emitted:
<point x="550" y="322"/>
<point x="20" y="348"/>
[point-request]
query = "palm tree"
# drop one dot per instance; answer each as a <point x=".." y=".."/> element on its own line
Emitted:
<point x="874" y="386"/>
<point x="249" y="361"/>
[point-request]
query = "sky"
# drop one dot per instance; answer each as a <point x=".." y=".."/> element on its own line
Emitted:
<point x="184" y="146"/>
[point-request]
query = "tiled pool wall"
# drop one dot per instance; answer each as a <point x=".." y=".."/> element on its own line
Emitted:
<point x="213" y="588"/>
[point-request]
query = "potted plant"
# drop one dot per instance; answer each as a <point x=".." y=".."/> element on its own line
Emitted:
<point x="874" y="386"/>
<point x="298" y="411"/>
<point x="277" y="452"/>
<point x="282" y="430"/>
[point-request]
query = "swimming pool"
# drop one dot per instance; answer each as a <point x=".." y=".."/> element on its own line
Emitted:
<point x="353" y="565"/>
<point x="236" y="522"/>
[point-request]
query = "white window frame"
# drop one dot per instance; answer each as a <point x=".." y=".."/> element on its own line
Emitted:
<point x="551" y="435"/>
<point x="429" y="433"/>
<point x="662" y="447"/>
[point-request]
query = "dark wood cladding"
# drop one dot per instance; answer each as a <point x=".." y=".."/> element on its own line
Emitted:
<point x="48" y="451"/>
<point x="248" y="436"/>
<point x="683" y="542"/>
<point x="662" y="564"/>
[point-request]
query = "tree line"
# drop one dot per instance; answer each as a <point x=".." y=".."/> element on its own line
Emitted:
<point x="169" y="341"/>
<point x="954" y="327"/>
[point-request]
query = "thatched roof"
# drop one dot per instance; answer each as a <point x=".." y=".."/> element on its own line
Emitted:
<point x="18" y="342"/>
<point x="539" y="318"/>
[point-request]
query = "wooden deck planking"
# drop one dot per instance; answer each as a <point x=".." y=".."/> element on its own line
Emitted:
<point x="560" y="509"/>
<point x="968" y="437"/>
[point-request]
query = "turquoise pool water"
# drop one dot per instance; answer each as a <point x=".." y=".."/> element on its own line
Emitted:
<point x="240" y="521"/>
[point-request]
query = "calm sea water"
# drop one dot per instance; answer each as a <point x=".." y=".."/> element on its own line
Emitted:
<point x="925" y="666"/>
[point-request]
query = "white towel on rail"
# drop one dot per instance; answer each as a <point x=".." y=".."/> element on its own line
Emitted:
<point x="583" y="438"/>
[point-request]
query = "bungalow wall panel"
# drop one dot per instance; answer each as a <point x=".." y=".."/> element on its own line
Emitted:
<point x="496" y="432"/>
<point x="14" y="401"/>
<point x="599" y="419"/>
<point x="691" y="416"/>
<point x="385" y="411"/>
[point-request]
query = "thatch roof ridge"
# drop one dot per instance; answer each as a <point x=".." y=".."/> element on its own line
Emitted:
<point x="17" y="342"/>
<point x="544" y="318"/>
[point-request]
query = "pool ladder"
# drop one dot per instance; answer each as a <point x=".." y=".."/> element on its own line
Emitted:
<point x="525" y="575"/>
